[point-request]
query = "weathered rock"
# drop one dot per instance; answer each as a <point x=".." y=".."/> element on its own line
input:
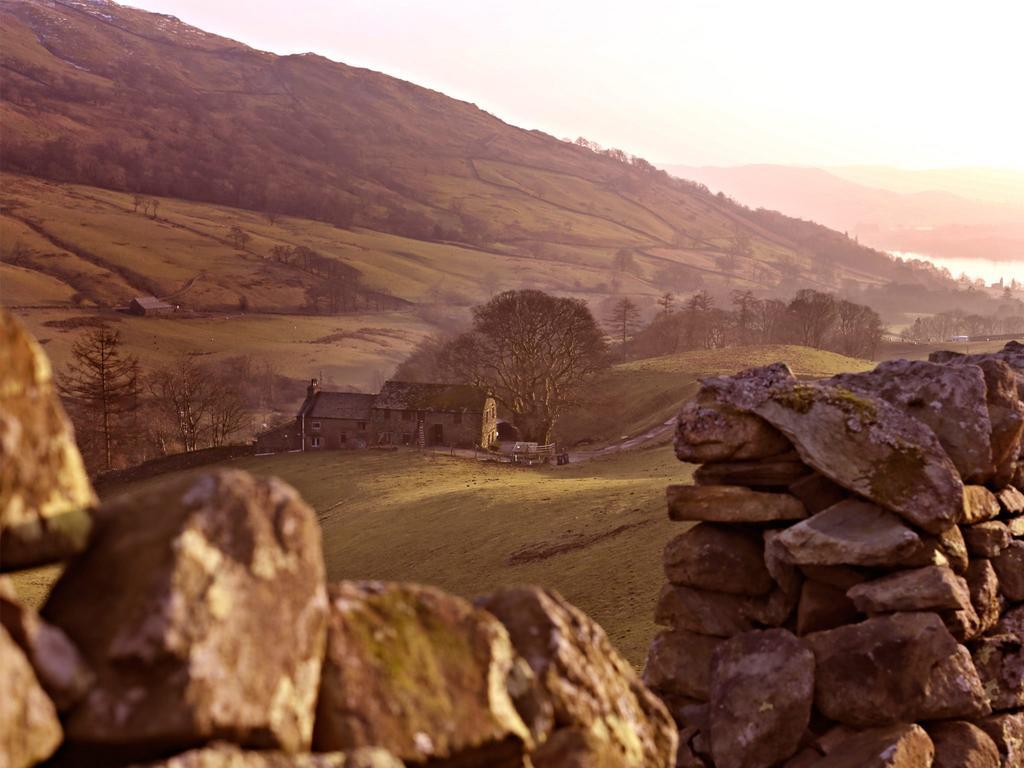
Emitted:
<point x="892" y="746"/>
<point x="59" y="666"/>
<point x="959" y="744"/>
<point x="221" y="635"/>
<point x="980" y="505"/>
<point x="762" y="688"/>
<point x="1015" y="526"/>
<point x="719" y="558"/>
<point x="731" y="504"/>
<point x="986" y="539"/>
<point x="824" y="607"/>
<point x="1006" y="412"/>
<point x="817" y="492"/>
<point x="679" y="664"/>
<point x="983" y="585"/>
<point x="841" y="576"/>
<point x="1010" y="570"/>
<point x="1011" y="622"/>
<point x="1011" y="500"/>
<point x="870" y="447"/>
<point x="576" y="747"/>
<point x="719" y="613"/>
<point x="951" y="400"/>
<point x="29" y="729"/>
<point x="784" y="573"/>
<point x="589" y="684"/>
<point x="933" y="588"/>
<point x="852" y="532"/>
<point x="1007" y="731"/>
<point x="44" y="490"/>
<point x="419" y="672"/>
<point x="223" y="755"/>
<point x="935" y="680"/>
<point x="710" y="428"/>
<point x="999" y="660"/>
<point x="774" y="472"/>
<point x="953" y="548"/>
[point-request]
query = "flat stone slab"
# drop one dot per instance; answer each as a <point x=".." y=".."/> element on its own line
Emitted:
<point x="852" y="532"/>
<point x="766" y="473"/>
<point x="932" y="588"/>
<point x="986" y="539"/>
<point x="720" y="558"/>
<point x="926" y="674"/>
<point x="731" y="504"/>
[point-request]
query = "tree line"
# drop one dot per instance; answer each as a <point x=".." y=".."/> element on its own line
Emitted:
<point x="945" y="325"/>
<point x="124" y="414"/>
<point x="811" y="318"/>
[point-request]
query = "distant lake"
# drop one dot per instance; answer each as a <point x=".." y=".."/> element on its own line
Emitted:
<point x="988" y="270"/>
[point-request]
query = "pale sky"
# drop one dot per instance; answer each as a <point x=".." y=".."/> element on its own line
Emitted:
<point x="911" y="83"/>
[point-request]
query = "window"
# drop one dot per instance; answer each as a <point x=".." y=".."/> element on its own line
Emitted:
<point x="344" y="438"/>
<point x="361" y="426"/>
<point x="456" y="418"/>
<point x="315" y="442"/>
<point x="387" y="415"/>
<point x="316" y="426"/>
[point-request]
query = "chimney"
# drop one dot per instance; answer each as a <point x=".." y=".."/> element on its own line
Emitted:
<point x="313" y="388"/>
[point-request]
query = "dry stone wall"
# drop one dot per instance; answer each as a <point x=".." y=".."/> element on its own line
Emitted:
<point x="192" y="627"/>
<point x="849" y="589"/>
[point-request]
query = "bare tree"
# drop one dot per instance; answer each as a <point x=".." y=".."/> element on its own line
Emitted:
<point x="813" y="314"/>
<point x="181" y="392"/>
<point x="623" y="319"/>
<point x="227" y="410"/>
<point x="533" y="351"/>
<point x="101" y="383"/>
<point x="666" y="301"/>
<point x="745" y="304"/>
<point x="858" y="329"/>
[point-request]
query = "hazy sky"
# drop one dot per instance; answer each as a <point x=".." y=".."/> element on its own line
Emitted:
<point x="916" y="83"/>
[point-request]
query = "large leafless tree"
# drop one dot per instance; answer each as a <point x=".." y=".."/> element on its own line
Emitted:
<point x="533" y="351"/>
<point x="101" y="384"/>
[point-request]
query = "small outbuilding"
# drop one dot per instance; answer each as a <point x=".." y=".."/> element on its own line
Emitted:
<point x="150" y="305"/>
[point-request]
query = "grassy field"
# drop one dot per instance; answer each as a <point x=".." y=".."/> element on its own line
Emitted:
<point x="349" y="350"/>
<point x="632" y="397"/>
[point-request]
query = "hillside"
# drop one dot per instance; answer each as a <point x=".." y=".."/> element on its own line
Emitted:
<point x="920" y="219"/>
<point x="632" y="397"/>
<point x="100" y="95"/>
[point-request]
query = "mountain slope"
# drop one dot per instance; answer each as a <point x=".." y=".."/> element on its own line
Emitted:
<point x="99" y="94"/>
<point x="925" y="220"/>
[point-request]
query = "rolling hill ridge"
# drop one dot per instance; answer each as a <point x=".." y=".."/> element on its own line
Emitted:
<point x="106" y="97"/>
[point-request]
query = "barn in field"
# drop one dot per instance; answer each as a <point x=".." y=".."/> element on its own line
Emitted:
<point x="150" y="305"/>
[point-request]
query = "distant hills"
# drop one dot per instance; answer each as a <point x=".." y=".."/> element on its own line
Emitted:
<point x="109" y="97"/>
<point x="956" y="213"/>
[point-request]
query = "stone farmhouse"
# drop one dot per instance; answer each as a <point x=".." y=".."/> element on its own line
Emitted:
<point x="403" y="413"/>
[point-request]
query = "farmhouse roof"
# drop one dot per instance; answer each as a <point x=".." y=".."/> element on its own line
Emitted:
<point x="340" y="405"/>
<point x="151" y="302"/>
<point x="414" y="396"/>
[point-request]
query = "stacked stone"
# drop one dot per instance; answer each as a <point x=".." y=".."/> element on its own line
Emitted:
<point x="850" y="588"/>
<point x="193" y="628"/>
